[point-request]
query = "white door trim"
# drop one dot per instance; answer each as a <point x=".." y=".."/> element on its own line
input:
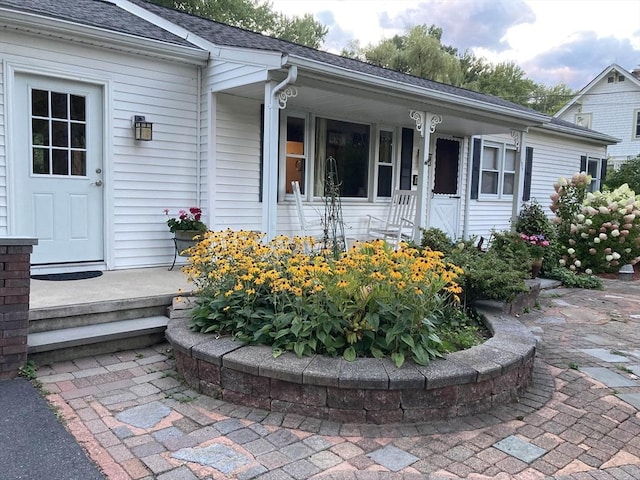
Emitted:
<point x="53" y="70"/>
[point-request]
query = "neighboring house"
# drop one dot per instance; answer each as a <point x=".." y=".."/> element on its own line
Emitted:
<point x="236" y="117"/>
<point x="610" y="103"/>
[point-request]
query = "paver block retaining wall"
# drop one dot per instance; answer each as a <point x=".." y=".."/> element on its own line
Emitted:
<point x="15" y="278"/>
<point x="367" y="390"/>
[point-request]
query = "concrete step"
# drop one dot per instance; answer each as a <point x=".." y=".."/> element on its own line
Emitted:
<point x="92" y="313"/>
<point x="69" y="343"/>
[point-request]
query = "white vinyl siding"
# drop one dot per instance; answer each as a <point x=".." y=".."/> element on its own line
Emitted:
<point x="237" y="176"/>
<point x="611" y="107"/>
<point x="140" y="178"/>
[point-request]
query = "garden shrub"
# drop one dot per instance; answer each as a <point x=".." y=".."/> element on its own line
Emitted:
<point x="599" y="231"/>
<point x="372" y="301"/>
<point x="628" y="172"/>
<point x="436" y="240"/>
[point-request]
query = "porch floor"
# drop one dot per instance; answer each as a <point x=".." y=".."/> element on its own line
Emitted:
<point x="110" y="286"/>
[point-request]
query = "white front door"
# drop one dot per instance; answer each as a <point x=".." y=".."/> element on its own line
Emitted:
<point x="445" y="199"/>
<point x="57" y="163"/>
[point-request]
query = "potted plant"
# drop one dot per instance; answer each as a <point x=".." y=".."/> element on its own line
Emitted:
<point x="537" y="245"/>
<point x="185" y="227"/>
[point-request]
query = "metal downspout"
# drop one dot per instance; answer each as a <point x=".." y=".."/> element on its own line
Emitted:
<point x="199" y="142"/>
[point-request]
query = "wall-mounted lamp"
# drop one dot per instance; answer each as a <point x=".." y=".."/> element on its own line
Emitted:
<point x="142" y="129"/>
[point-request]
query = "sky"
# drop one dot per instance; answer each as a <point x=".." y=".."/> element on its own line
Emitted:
<point x="553" y="41"/>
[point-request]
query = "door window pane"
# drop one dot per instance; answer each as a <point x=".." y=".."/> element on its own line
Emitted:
<point x="40" y="132"/>
<point x="58" y="134"/>
<point x="78" y="135"/>
<point x="78" y="163"/>
<point x="59" y="105"/>
<point x="77" y="105"/>
<point x="40" y="103"/>
<point x="60" y="162"/>
<point x="41" y="161"/>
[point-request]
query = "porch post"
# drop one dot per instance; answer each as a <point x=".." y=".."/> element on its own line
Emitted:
<point x="519" y="140"/>
<point x="425" y="125"/>
<point x="270" y="166"/>
<point x="275" y="99"/>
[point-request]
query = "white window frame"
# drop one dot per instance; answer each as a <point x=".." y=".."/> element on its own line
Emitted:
<point x="283" y="152"/>
<point x="394" y="165"/>
<point x="596" y="181"/>
<point x="501" y="148"/>
<point x="309" y="157"/>
<point x="583" y="120"/>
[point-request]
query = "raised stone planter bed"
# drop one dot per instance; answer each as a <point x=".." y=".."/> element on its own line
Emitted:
<point x="367" y="390"/>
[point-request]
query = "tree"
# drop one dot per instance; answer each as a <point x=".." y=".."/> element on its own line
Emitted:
<point x="419" y="52"/>
<point x="257" y="16"/>
<point x="550" y="99"/>
<point x="629" y="173"/>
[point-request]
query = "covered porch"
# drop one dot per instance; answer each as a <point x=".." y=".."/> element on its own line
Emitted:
<point x="383" y="134"/>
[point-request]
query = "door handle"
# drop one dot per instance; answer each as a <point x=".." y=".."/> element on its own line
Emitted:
<point x="97" y="183"/>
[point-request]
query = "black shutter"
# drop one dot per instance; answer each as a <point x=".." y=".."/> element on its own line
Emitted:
<point x="583" y="163"/>
<point x="528" y="170"/>
<point x="261" y="151"/>
<point x="475" y="168"/>
<point x="406" y="158"/>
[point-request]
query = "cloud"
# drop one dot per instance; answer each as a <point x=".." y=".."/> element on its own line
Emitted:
<point x="483" y="23"/>
<point x="580" y="60"/>
<point x="337" y="38"/>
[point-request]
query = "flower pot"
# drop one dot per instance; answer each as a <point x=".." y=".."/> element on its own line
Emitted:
<point x="536" y="265"/>
<point x="184" y="239"/>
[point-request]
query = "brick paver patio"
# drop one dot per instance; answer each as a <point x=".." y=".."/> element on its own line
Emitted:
<point x="579" y="421"/>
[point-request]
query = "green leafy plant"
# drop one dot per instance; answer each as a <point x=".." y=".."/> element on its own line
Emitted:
<point x="28" y="370"/>
<point x="572" y="279"/>
<point x="372" y="301"/>
<point x="437" y="240"/>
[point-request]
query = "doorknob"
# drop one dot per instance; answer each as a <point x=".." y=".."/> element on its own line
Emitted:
<point x="97" y="183"/>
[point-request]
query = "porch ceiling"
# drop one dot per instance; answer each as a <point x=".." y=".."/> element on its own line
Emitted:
<point x="367" y="105"/>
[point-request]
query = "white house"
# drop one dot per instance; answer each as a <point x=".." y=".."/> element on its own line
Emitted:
<point x="236" y="116"/>
<point x="610" y="103"/>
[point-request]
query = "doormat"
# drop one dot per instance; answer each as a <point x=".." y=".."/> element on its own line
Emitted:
<point x="59" y="277"/>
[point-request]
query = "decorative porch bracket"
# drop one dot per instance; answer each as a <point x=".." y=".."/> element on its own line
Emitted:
<point x="284" y="95"/>
<point x="432" y="120"/>
<point x="517" y="139"/>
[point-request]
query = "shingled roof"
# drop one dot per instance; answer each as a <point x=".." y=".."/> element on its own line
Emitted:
<point x="225" y="35"/>
<point x="96" y="13"/>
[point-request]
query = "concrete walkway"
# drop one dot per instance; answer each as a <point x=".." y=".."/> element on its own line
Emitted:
<point x="580" y="420"/>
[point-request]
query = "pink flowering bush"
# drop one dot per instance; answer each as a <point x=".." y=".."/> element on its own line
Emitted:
<point x="599" y="231"/>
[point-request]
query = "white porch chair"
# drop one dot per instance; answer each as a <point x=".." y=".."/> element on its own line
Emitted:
<point x="399" y="225"/>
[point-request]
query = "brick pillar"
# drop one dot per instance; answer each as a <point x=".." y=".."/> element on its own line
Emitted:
<point x="15" y="267"/>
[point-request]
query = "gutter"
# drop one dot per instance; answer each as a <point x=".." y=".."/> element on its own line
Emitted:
<point x="426" y="93"/>
<point x="99" y="37"/>
<point x="576" y="132"/>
